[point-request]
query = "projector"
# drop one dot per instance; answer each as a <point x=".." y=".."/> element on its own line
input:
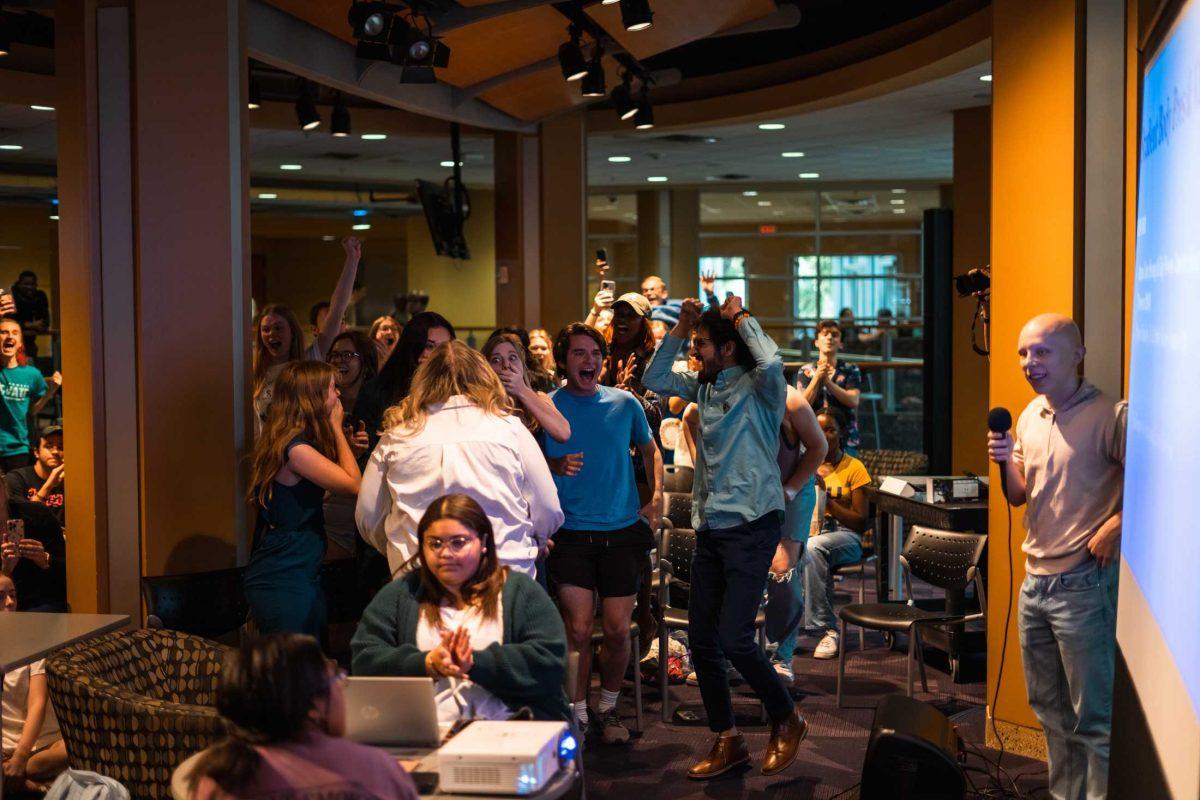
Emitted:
<point x="513" y="758"/>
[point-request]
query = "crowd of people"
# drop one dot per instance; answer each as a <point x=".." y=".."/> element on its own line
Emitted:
<point x="501" y="506"/>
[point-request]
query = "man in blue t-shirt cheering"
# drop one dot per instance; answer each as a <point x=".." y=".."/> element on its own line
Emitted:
<point x="607" y="534"/>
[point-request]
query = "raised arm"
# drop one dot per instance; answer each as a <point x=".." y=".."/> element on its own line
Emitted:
<point x="341" y="476"/>
<point x="660" y="376"/>
<point x="339" y="301"/>
<point x="769" y="379"/>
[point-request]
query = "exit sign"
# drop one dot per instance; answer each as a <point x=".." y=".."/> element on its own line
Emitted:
<point x="767" y="229"/>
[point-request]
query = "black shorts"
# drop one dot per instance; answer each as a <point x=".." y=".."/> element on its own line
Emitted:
<point x="608" y="561"/>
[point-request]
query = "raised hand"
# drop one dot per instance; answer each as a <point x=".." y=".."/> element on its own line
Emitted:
<point x="689" y="314"/>
<point x="514" y="384"/>
<point x="731" y="307"/>
<point x="32" y="549"/>
<point x="602" y="300"/>
<point x="708" y="282"/>
<point x="353" y="247"/>
<point x="625" y="371"/>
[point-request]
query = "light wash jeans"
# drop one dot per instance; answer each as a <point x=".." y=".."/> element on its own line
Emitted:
<point x="1067" y="626"/>
<point x="797" y="519"/>
<point x="830" y="549"/>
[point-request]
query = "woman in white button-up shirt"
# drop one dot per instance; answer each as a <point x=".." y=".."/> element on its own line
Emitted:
<point x="455" y="433"/>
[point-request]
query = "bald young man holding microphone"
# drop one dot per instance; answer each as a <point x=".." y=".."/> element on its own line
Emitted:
<point x="1067" y="462"/>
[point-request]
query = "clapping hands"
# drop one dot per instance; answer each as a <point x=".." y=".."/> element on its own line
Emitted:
<point x="453" y="658"/>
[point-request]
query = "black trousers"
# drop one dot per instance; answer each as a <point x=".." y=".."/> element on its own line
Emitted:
<point x="729" y="571"/>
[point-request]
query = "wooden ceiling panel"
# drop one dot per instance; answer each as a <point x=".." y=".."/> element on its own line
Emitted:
<point x="544" y="93"/>
<point x="677" y="22"/>
<point x="324" y="14"/>
<point x="502" y="44"/>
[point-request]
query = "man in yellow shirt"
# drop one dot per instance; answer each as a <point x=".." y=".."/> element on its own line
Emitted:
<point x="843" y="477"/>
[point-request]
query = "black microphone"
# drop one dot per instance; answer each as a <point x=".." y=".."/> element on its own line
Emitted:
<point x="999" y="421"/>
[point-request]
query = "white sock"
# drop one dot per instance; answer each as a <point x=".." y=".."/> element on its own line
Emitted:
<point x="581" y="712"/>
<point x="608" y="700"/>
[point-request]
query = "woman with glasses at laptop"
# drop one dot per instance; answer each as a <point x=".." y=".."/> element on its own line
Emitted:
<point x="287" y="709"/>
<point x="489" y="636"/>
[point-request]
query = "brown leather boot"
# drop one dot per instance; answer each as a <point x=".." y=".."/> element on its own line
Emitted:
<point x="727" y="752"/>
<point x="785" y="740"/>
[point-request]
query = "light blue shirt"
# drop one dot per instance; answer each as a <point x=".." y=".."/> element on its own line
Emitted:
<point x="737" y="476"/>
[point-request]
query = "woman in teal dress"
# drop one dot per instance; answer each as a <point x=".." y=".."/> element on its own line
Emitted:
<point x="301" y="454"/>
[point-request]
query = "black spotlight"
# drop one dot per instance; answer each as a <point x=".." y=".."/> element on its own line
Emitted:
<point x="339" y="122"/>
<point x="306" y="108"/>
<point x="420" y="52"/>
<point x="254" y="99"/>
<point x="570" y="57"/>
<point x="370" y="20"/>
<point x="636" y="15"/>
<point x="643" y="118"/>
<point x="593" y="81"/>
<point x="622" y="98"/>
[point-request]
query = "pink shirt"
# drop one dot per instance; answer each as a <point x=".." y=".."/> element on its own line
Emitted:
<point x="1073" y="459"/>
<point x="318" y="767"/>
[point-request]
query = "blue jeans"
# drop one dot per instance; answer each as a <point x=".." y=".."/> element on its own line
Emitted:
<point x="830" y="549"/>
<point x="729" y="570"/>
<point x="797" y="519"/>
<point x="1067" y="626"/>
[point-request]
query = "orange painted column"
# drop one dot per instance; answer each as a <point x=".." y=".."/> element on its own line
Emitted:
<point x="1034" y="267"/>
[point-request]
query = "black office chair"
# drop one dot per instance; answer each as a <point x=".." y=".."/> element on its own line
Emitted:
<point x="945" y="559"/>
<point x="674" y="585"/>
<point x="677" y="509"/>
<point x="209" y="604"/>
<point x="677" y="478"/>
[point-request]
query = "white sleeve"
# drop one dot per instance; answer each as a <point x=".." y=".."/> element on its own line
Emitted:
<point x="374" y="502"/>
<point x="538" y="487"/>
<point x="37" y="668"/>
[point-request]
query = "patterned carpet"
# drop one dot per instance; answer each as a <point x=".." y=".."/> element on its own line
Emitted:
<point x="654" y="764"/>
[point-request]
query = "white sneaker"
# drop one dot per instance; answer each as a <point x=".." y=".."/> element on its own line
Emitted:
<point x="828" y="647"/>
<point x="785" y="673"/>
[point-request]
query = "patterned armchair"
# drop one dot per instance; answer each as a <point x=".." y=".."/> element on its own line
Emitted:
<point x="882" y="463"/>
<point x="132" y="706"/>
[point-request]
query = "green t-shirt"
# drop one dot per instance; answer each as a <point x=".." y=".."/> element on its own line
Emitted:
<point x="19" y="387"/>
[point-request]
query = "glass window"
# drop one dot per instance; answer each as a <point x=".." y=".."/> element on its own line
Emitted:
<point x="730" y="274"/>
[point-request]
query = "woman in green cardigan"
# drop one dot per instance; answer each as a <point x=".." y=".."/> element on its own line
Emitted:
<point x="490" y="638"/>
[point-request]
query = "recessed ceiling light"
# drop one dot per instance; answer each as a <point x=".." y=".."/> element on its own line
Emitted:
<point x="749" y="193"/>
<point x="764" y="203"/>
<point x="374" y="137"/>
<point x="899" y="191"/>
<point x="619" y="159"/>
<point x="985" y="78"/>
<point x="771" y="126"/>
<point x="42" y="108"/>
<point x="291" y="167"/>
<point x="362" y="226"/>
<point x="711" y="139"/>
<point x="808" y="176"/>
<point x="448" y="163"/>
<point x="899" y="211"/>
<point x="657" y="179"/>
<point x="54" y="217"/>
<point x="792" y="154"/>
<point x="899" y="201"/>
<point x="11" y="147"/>
<point x="267" y="196"/>
<point x="328" y="238"/>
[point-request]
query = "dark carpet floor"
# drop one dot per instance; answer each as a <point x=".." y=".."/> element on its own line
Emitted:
<point x="655" y="762"/>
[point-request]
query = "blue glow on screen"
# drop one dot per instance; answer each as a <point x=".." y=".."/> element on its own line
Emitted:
<point x="1161" y="544"/>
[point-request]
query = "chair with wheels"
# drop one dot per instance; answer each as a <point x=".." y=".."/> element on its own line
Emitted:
<point x="945" y="559"/>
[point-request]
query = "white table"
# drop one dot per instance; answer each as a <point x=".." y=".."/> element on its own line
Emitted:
<point x="27" y="636"/>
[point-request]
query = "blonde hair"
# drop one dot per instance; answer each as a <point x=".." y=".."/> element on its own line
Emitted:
<point x="297" y="410"/>
<point x="512" y="339"/>
<point x="451" y="369"/>
<point x="259" y="358"/>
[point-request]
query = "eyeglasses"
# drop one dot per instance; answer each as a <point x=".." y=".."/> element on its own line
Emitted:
<point x="343" y="355"/>
<point x="456" y="543"/>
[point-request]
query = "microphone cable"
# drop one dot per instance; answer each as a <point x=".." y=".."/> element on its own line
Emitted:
<point x="1004" y="641"/>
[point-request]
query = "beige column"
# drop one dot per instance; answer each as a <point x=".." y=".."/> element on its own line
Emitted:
<point x="654" y="234"/>
<point x="564" y="256"/>
<point x="685" y="243"/>
<point x="193" y="281"/>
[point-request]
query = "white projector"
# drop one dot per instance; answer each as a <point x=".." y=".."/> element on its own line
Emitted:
<point x="513" y="758"/>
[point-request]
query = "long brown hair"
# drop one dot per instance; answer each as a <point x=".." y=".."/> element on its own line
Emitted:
<point x="267" y="689"/>
<point x="258" y="360"/>
<point x="512" y="339"/>
<point x="451" y="369"/>
<point x="298" y="409"/>
<point x="482" y="588"/>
